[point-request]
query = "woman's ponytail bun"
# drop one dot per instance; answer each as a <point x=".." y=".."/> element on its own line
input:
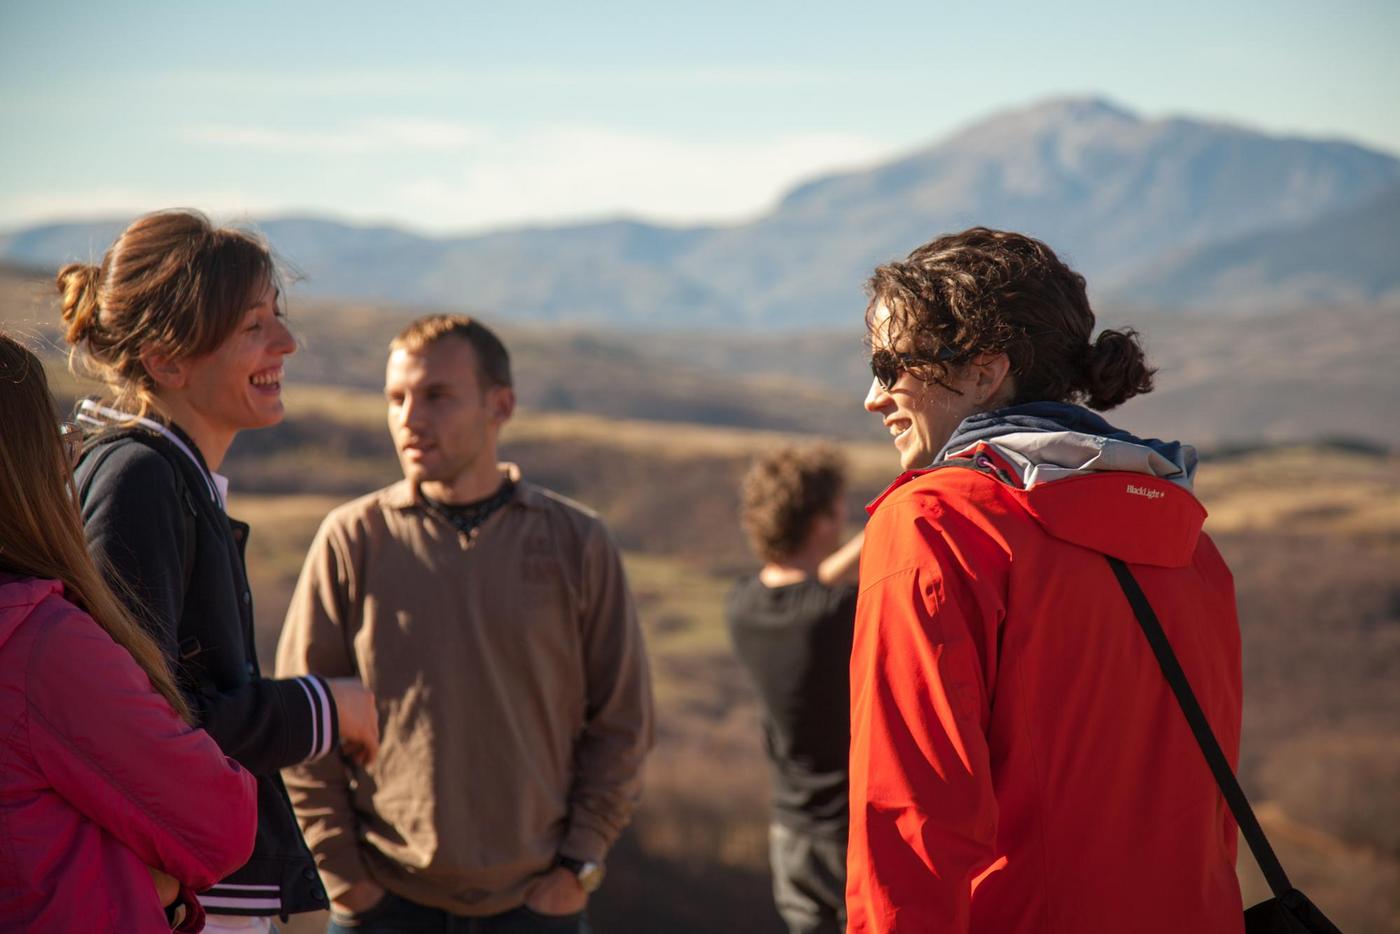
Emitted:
<point x="77" y="284"/>
<point x="1115" y="369"/>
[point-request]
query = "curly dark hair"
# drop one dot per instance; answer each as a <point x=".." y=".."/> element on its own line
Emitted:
<point x="988" y="291"/>
<point x="784" y="491"/>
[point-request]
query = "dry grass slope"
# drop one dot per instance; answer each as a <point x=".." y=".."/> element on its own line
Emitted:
<point x="1312" y="533"/>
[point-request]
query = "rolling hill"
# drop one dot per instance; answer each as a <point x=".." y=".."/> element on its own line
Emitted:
<point x="1313" y="551"/>
<point x="1224" y="381"/>
<point x="1122" y="197"/>
<point x="1340" y="258"/>
<point x="1312" y="534"/>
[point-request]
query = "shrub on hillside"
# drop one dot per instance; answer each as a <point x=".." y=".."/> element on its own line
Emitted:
<point x="1346" y="782"/>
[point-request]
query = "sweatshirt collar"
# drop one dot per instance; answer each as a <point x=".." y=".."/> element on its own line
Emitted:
<point x="93" y="413"/>
<point x="407" y="495"/>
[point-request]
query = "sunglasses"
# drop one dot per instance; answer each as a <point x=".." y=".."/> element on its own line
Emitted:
<point x="888" y="365"/>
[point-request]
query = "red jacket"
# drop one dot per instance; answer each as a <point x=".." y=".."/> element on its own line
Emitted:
<point x="1018" y="762"/>
<point x="99" y="778"/>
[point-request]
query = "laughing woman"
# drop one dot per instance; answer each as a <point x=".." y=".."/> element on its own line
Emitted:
<point x="183" y="322"/>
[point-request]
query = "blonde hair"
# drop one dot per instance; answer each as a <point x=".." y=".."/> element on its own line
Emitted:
<point x="41" y="532"/>
<point x="172" y="283"/>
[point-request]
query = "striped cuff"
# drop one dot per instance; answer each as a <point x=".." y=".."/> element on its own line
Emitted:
<point x="324" y="724"/>
<point x="232" y="899"/>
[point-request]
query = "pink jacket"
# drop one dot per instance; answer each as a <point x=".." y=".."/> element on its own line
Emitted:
<point x="99" y="778"/>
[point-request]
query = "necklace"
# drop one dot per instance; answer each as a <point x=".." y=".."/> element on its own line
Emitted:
<point x="468" y="518"/>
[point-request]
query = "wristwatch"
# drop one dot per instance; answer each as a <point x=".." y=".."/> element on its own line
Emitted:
<point x="589" y="874"/>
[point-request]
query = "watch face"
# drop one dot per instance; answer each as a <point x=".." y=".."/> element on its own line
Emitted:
<point x="590" y="876"/>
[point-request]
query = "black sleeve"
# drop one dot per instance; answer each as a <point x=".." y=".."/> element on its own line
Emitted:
<point x="270" y="724"/>
<point x="139" y="535"/>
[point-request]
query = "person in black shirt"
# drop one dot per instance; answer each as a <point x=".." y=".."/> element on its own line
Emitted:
<point x="791" y="626"/>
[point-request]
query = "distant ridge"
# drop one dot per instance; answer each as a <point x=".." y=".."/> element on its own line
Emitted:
<point x="1135" y="204"/>
<point x="1345" y="258"/>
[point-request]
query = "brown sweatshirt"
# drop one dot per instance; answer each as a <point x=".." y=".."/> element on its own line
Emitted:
<point x="512" y="687"/>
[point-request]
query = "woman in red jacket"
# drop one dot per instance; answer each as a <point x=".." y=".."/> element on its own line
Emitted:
<point x="107" y="794"/>
<point x="1018" y="762"/>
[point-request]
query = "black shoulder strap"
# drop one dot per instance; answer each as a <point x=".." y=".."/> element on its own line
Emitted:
<point x="1215" y="758"/>
<point x="94" y="453"/>
<point x="98" y="447"/>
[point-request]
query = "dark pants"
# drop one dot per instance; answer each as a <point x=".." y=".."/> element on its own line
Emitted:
<point x="395" y="915"/>
<point x="809" y="880"/>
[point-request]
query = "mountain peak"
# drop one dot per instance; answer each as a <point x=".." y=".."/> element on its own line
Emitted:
<point x="1080" y="108"/>
<point x="1078" y="115"/>
<point x="1114" y="192"/>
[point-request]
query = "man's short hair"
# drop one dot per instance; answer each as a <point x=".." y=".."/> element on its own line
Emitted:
<point x="783" y="492"/>
<point x="493" y="361"/>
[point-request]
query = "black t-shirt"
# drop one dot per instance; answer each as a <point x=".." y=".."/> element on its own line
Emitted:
<point x="795" y="642"/>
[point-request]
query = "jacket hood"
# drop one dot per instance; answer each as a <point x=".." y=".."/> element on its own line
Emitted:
<point x="1087" y="482"/>
<point x="18" y="598"/>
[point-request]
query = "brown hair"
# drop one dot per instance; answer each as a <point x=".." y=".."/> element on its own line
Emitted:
<point x="172" y="283"/>
<point x="41" y="533"/>
<point x="783" y="492"/>
<point x="991" y="291"/>
<point x="493" y="361"/>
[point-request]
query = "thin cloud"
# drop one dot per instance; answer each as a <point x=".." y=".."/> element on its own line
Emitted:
<point x="226" y="204"/>
<point x="293" y="82"/>
<point x="402" y="135"/>
<point x="748" y="77"/>
<point x="410" y="82"/>
<point x="542" y="175"/>
<point x="580" y="172"/>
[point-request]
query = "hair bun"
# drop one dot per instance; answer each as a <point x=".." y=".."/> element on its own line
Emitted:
<point x="1116" y="369"/>
<point x="77" y="284"/>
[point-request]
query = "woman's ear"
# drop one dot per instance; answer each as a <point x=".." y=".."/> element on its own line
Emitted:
<point x="167" y="371"/>
<point x="992" y="386"/>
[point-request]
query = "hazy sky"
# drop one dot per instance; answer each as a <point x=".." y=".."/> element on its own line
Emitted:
<point x="459" y="116"/>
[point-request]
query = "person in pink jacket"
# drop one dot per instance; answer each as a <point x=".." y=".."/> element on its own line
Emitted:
<point x="111" y="805"/>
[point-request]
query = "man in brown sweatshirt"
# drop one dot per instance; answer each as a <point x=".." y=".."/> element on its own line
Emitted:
<point x="492" y="620"/>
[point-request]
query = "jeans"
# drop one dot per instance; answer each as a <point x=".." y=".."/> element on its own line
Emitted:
<point x="809" y="880"/>
<point x="395" y="915"/>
